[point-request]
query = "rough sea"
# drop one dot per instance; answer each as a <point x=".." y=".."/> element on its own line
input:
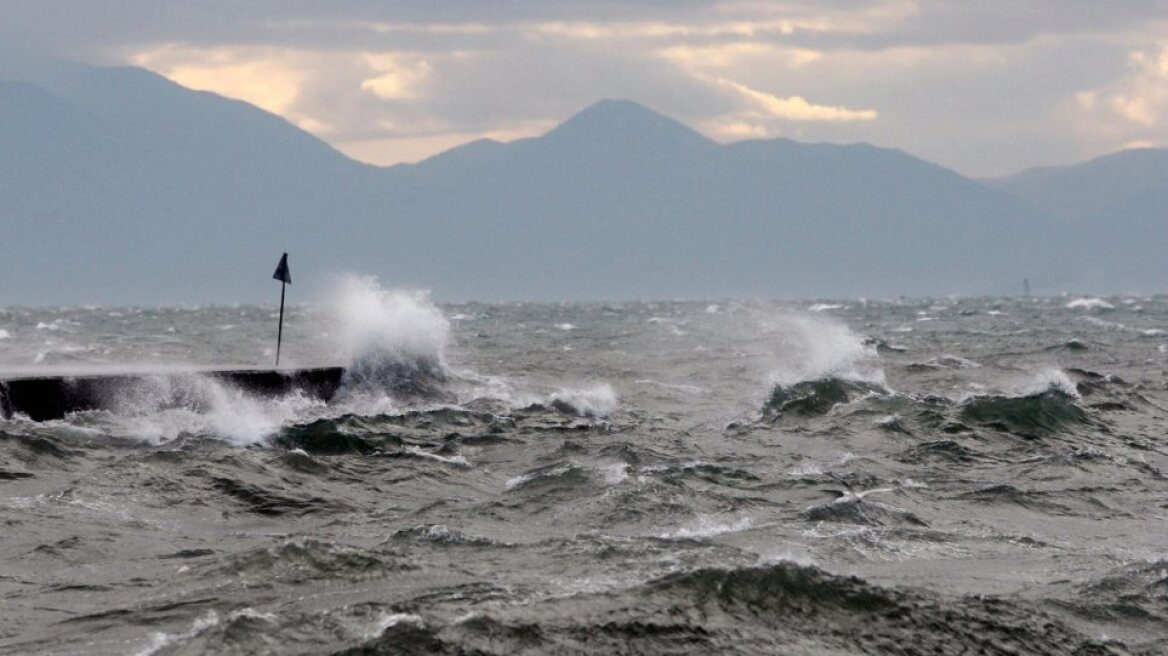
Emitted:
<point x="881" y="476"/>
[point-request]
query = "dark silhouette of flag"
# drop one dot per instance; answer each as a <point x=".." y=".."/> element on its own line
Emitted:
<point x="282" y="273"/>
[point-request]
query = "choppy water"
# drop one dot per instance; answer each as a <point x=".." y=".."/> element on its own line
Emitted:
<point x="938" y="476"/>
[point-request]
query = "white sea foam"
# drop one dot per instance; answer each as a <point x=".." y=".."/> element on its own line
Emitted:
<point x="387" y="620"/>
<point x="4" y="334"/>
<point x="1110" y="325"/>
<point x="566" y="326"/>
<point x="459" y="461"/>
<point x="795" y="553"/>
<point x="1090" y="304"/>
<point x="818" y="468"/>
<point x="1052" y="379"/>
<point x="522" y="479"/>
<point x="161" y="640"/>
<point x="516" y="481"/>
<point x="615" y="473"/>
<point x="953" y="362"/>
<point x="707" y="526"/>
<point x="824" y="307"/>
<point x="161" y="408"/>
<point x="689" y="389"/>
<point x="596" y="401"/>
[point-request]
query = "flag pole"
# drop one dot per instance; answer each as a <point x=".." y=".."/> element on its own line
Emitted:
<point x="285" y="277"/>
<point x="280" y="332"/>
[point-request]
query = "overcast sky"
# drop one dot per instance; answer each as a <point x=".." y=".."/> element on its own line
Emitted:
<point x="983" y="86"/>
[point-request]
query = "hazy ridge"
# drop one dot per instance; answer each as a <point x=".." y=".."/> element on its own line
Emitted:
<point x="139" y="190"/>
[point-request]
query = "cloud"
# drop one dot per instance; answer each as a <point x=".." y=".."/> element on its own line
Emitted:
<point x="734" y="129"/>
<point x="795" y="108"/>
<point x="1132" y="108"/>
<point x="399" y="76"/>
<point x="723" y="56"/>
<point x="980" y="86"/>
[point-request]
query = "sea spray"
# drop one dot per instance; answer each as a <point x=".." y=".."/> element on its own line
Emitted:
<point x="820" y="364"/>
<point x="161" y="408"/>
<point x="394" y="342"/>
<point x="599" y="400"/>
<point x="809" y="348"/>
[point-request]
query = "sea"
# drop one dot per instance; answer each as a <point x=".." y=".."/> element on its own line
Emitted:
<point x="860" y="476"/>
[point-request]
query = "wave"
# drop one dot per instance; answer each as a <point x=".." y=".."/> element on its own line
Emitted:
<point x="852" y="508"/>
<point x="1106" y="392"/>
<point x="394" y="342"/>
<point x="1089" y="304"/>
<point x="336" y="436"/>
<point x="944" y="362"/>
<point x="814" y="397"/>
<point x="549" y="478"/>
<point x="707" y="526"/>
<point x="1048" y="411"/>
<point x="597" y="401"/>
<point x="782" y="606"/>
<point x="272" y="502"/>
<point x="1131" y="592"/>
<point x="441" y="534"/>
<point x="812" y="348"/>
<point x="307" y="559"/>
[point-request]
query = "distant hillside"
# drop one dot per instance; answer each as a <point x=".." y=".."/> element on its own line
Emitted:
<point x="620" y="198"/>
<point x="1118" y="207"/>
<point x="117" y="185"/>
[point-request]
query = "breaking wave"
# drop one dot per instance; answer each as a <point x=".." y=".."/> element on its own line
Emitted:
<point x="395" y="344"/>
<point x="812" y="348"/>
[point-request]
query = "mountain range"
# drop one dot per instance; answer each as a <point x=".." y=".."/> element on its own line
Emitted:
<point x="119" y="186"/>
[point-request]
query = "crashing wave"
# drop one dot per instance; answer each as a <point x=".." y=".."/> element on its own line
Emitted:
<point x="395" y="343"/>
<point x="597" y="401"/>
<point x="812" y="348"/>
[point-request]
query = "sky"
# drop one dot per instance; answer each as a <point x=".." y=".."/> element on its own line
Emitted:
<point x="986" y="87"/>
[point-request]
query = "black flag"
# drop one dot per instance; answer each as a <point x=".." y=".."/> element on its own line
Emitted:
<point x="282" y="273"/>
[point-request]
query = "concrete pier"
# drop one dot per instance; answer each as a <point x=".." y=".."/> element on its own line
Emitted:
<point x="43" y="398"/>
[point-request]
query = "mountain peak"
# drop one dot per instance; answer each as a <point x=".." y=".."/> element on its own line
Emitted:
<point x="624" y="121"/>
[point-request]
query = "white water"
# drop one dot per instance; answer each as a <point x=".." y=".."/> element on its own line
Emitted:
<point x="816" y="347"/>
<point x="377" y="326"/>
<point x="596" y="401"/>
<point x="1090" y="304"/>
